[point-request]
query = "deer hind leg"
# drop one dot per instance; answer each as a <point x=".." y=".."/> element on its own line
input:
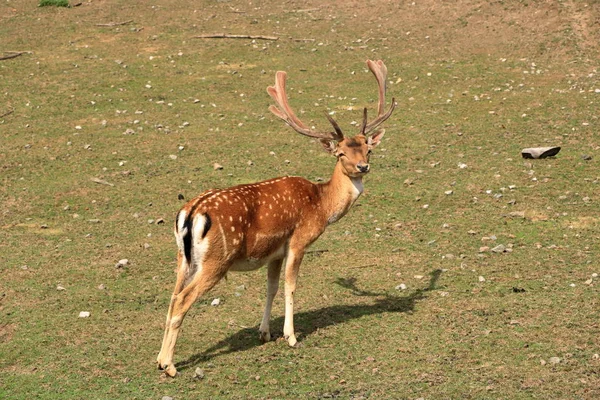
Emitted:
<point x="183" y="274"/>
<point x="273" y="273"/>
<point x="205" y="280"/>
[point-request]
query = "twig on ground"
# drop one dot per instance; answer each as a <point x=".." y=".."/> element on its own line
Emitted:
<point x="303" y="40"/>
<point x="317" y="252"/>
<point x="7" y="113"/>
<point x="227" y="36"/>
<point x="111" y="24"/>
<point x="101" y="181"/>
<point x="14" y="55"/>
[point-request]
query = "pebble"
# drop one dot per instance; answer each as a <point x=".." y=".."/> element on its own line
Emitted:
<point x="59" y="287"/>
<point x="401" y="286"/>
<point x="217" y="167"/>
<point x="481" y="279"/>
<point x="122" y="263"/>
<point x="499" y="249"/>
<point x="216" y="302"/>
<point x="84" y="314"/>
<point x="554" y="360"/>
<point x="199" y="373"/>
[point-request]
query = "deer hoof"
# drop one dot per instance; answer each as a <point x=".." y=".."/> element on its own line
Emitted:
<point x="291" y="340"/>
<point x="170" y="370"/>
<point x="265" y="337"/>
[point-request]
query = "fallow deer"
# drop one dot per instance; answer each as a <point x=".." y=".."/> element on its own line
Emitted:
<point x="272" y="222"/>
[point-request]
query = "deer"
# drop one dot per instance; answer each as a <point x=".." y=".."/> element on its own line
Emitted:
<point x="272" y="222"/>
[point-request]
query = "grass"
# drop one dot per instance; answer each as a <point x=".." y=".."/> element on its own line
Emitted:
<point x="54" y="3"/>
<point x="469" y="92"/>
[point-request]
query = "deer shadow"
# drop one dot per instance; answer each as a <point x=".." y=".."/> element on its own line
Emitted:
<point x="311" y="321"/>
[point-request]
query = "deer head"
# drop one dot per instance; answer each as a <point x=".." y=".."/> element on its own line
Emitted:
<point x="352" y="152"/>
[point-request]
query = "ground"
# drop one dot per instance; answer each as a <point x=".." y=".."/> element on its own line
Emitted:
<point x="403" y="298"/>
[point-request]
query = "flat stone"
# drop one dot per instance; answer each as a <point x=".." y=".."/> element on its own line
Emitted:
<point x="540" y="152"/>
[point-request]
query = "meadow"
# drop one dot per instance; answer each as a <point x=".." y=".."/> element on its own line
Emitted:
<point x="464" y="271"/>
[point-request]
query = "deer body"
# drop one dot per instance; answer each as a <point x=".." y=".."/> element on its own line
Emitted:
<point x="268" y="223"/>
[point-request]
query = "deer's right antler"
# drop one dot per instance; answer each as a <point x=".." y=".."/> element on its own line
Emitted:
<point x="284" y="112"/>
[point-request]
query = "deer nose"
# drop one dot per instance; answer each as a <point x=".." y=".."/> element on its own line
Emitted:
<point x="363" y="168"/>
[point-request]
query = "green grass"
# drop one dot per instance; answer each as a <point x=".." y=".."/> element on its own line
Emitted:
<point x="468" y="92"/>
<point x="54" y="3"/>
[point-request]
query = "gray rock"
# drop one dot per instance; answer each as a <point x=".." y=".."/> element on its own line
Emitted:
<point x="540" y="152"/>
<point x="499" y="249"/>
<point x="199" y="373"/>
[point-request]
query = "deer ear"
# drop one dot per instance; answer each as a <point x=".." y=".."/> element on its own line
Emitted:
<point x="375" y="138"/>
<point x="329" y="145"/>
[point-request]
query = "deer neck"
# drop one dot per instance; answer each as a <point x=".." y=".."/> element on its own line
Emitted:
<point x="340" y="193"/>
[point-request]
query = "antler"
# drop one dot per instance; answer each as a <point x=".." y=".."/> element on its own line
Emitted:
<point x="284" y="112"/>
<point x="378" y="69"/>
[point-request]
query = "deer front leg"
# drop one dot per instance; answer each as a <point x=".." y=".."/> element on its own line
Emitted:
<point x="292" y="266"/>
<point x="273" y="273"/>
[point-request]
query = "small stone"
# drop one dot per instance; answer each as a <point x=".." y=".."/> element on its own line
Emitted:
<point x="448" y="192"/>
<point x="596" y="356"/>
<point x="128" y="131"/>
<point x="594" y="275"/>
<point x="483" y="249"/>
<point x="481" y="279"/>
<point x="554" y="360"/>
<point x="215" y="302"/>
<point x="499" y="249"/>
<point x="418" y="276"/>
<point x="401" y="286"/>
<point x="172" y="156"/>
<point x="84" y="314"/>
<point x="199" y="373"/>
<point x="59" y="288"/>
<point x="586" y="157"/>
<point x="122" y="263"/>
<point x="146" y="246"/>
<point x="250" y="163"/>
<point x="217" y="167"/>
<point x="94" y="221"/>
<point x="101" y="286"/>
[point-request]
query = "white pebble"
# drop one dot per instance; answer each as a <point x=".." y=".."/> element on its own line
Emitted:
<point x="84" y="314"/>
<point x="481" y="279"/>
<point x="401" y="286"/>
<point x="216" y="302"/>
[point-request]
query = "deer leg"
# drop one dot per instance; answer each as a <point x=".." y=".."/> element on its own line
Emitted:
<point x="182" y="272"/>
<point x="292" y="266"/>
<point x="273" y="273"/>
<point x="182" y="302"/>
